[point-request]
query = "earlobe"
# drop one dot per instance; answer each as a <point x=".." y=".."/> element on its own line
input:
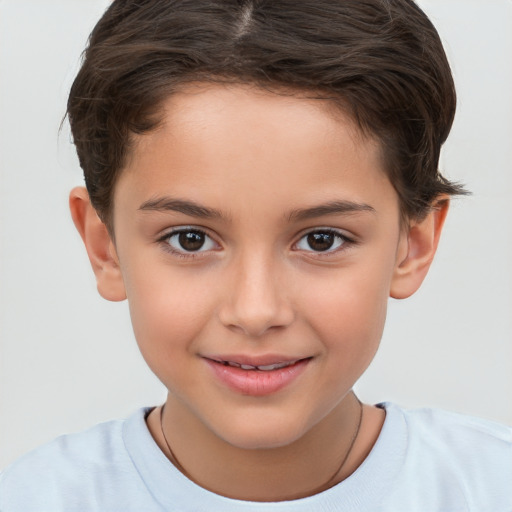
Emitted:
<point x="416" y="250"/>
<point x="98" y="243"/>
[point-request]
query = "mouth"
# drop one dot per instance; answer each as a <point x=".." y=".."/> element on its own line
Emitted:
<point x="260" y="367"/>
<point x="257" y="377"/>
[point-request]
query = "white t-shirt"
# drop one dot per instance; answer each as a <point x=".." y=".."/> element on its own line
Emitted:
<point x="423" y="461"/>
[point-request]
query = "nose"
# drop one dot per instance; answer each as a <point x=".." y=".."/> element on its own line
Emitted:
<point x="256" y="298"/>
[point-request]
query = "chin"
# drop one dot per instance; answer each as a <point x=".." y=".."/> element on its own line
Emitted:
<point x="261" y="434"/>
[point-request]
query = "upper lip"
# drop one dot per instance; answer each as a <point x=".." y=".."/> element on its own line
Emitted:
<point x="256" y="361"/>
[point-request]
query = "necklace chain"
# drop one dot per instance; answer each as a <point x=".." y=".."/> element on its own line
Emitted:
<point x="176" y="462"/>
<point x="350" y="446"/>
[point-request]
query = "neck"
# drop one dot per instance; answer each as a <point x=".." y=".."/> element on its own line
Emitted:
<point x="304" y="467"/>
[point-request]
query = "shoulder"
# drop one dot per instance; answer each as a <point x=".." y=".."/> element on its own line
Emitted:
<point x="453" y="433"/>
<point x="69" y="472"/>
<point x="95" y="446"/>
<point x="458" y="455"/>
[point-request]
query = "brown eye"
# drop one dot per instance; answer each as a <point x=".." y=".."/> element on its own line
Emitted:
<point x="190" y="240"/>
<point x="321" y="241"/>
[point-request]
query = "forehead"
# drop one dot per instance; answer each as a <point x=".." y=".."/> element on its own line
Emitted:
<point x="201" y="106"/>
<point x="236" y="145"/>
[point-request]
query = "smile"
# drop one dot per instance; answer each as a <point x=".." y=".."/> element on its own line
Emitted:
<point x="255" y="378"/>
<point x="263" y="368"/>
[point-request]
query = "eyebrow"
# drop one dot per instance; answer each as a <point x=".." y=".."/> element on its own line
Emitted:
<point x="169" y="204"/>
<point x="330" y="208"/>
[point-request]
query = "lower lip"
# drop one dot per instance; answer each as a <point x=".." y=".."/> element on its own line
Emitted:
<point x="257" y="382"/>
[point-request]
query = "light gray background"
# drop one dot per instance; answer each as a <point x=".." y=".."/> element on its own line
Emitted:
<point x="68" y="359"/>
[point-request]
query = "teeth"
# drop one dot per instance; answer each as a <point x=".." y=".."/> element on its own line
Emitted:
<point x="277" y="366"/>
<point x="263" y="368"/>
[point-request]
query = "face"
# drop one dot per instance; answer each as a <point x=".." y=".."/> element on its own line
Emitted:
<point x="258" y="237"/>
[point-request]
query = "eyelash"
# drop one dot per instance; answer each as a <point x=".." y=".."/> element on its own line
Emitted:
<point x="343" y="240"/>
<point x="165" y="241"/>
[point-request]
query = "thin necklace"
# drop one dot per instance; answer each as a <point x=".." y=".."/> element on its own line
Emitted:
<point x="176" y="462"/>
<point x="350" y="446"/>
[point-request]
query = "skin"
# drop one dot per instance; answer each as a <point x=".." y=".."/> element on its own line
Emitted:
<point x="257" y="287"/>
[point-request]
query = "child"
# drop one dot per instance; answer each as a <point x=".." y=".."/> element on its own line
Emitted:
<point x="261" y="177"/>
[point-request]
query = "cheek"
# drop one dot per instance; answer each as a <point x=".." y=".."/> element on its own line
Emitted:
<point x="167" y="312"/>
<point x="348" y="313"/>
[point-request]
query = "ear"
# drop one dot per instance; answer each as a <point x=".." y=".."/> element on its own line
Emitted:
<point x="98" y="243"/>
<point x="416" y="250"/>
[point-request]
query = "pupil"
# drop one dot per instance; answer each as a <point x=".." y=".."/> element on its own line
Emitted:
<point x="320" y="241"/>
<point x="191" y="240"/>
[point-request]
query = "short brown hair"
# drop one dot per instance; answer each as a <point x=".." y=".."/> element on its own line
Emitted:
<point x="381" y="60"/>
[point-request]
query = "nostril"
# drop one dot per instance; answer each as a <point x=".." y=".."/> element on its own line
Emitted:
<point x="254" y="302"/>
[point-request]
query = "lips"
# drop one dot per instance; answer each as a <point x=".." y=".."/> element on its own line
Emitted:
<point x="256" y="376"/>
<point x="264" y="368"/>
